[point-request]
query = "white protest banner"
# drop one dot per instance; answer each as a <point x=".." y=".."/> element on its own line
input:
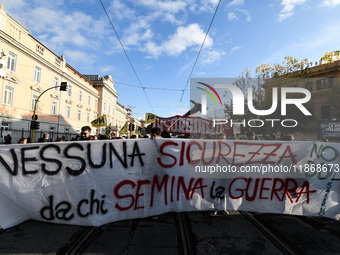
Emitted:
<point x="97" y="182"/>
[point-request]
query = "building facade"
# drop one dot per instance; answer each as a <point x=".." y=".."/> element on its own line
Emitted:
<point x="323" y="82"/>
<point x="29" y="70"/>
<point x="108" y="99"/>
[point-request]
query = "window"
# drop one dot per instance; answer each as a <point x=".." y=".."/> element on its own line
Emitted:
<point x="325" y="112"/>
<point x="324" y="83"/>
<point x="95" y="104"/>
<point x="40" y="49"/>
<point x="88" y="100"/>
<point x="104" y="107"/>
<point x="34" y="98"/>
<point x="11" y="61"/>
<point x="80" y="96"/>
<point x="109" y="109"/>
<point x="37" y="74"/>
<point x="55" y="83"/>
<point x="15" y="32"/>
<point x="57" y="61"/>
<point x="8" y="95"/>
<point x="69" y="90"/>
<point x="79" y="115"/>
<point x="4" y="128"/>
<point x="51" y="133"/>
<point x="68" y="112"/>
<point x="88" y="117"/>
<point x="54" y="108"/>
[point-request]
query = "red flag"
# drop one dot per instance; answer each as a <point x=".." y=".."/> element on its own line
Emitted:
<point x="197" y="108"/>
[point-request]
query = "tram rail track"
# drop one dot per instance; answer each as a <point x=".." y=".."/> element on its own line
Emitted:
<point x="293" y="234"/>
<point x="186" y="244"/>
<point x="82" y="240"/>
<point x="181" y="233"/>
<point x="279" y="243"/>
<point x="183" y="229"/>
<point x="79" y="242"/>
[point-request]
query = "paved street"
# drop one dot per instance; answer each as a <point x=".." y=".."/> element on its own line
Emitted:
<point x="203" y="234"/>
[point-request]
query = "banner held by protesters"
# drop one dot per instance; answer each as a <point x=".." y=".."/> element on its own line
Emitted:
<point x="94" y="183"/>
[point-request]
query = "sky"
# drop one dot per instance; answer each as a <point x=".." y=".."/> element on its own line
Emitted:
<point x="163" y="40"/>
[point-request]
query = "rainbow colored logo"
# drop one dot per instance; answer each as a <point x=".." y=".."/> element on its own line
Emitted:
<point x="204" y="98"/>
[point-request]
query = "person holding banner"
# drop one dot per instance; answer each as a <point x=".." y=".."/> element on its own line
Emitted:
<point x="155" y="132"/>
<point x="288" y="138"/>
<point x="251" y="135"/>
<point x="22" y="140"/>
<point x="8" y="139"/>
<point x="273" y="137"/>
<point x="86" y="133"/>
<point x="165" y="134"/>
<point x="44" y="138"/>
<point x="222" y="137"/>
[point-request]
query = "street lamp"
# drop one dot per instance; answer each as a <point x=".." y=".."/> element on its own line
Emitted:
<point x="34" y="123"/>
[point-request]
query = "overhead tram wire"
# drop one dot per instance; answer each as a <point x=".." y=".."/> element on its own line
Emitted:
<point x="136" y="86"/>
<point x="192" y="70"/>
<point x="127" y="56"/>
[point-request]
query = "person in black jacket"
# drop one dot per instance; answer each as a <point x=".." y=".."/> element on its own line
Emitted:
<point x="8" y="139"/>
<point x="44" y="138"/>
<point x="86" y="133"/>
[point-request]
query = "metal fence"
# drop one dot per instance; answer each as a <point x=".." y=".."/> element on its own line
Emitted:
<point x="16" y="134"/>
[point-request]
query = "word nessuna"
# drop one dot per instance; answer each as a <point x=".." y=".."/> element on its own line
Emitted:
<point x="28" y="156"/>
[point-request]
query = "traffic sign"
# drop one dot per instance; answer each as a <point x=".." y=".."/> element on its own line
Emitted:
<point x="63" y="86"/>
<point x="35" y="125"/>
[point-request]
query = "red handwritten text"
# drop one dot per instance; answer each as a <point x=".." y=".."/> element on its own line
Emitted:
<point x="269" y="188"/>
<point x="177" y="187"/>
<point x="215" y="152"/>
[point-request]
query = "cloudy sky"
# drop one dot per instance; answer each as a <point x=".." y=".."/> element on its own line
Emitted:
<point x="163" y="38"/>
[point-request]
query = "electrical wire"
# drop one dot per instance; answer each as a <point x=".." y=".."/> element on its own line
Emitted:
<point x="118" y="83"/>
<point x="127" y="56"/>
<point x="136" y="86"/>
<point x="199" y="52"/>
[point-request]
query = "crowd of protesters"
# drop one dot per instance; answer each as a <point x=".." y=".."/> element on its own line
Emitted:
<point x="83" y="136"/>
<point x="154" y="132"/>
